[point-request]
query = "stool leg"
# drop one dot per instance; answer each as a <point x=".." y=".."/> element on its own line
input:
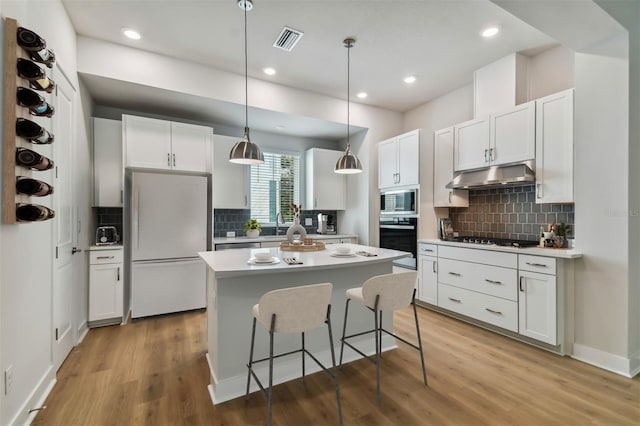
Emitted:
<point x="344" y="330"/>
<point x="415" y="314"/>
<point x="250" y="366"/>
<point x="270" y="398"/>
<point x="303" y="353"/>
<point x="333" y="361"/>
<point x="380" y="340"/>
<point x="377" y="333"/>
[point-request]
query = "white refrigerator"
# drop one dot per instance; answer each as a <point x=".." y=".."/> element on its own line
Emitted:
<point x="168" y="225"/>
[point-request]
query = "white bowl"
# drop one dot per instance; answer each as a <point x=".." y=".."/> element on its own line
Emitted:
<point x="263" y="256"/>
<point x="342" y="249"/>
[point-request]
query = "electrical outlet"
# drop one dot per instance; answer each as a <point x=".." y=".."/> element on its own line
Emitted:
<point x="308" y="221"/>
<point x="8" y="379"/>
<point x="231" y="234"/>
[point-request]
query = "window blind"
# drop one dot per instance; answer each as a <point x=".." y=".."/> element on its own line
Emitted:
<point x="275" y="184"/>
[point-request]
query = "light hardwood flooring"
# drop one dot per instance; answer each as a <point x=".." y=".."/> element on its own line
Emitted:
<point x="154" y="372"/>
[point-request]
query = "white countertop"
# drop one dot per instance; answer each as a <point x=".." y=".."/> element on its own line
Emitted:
<point x="535" y="251"/>
<point x="245" y="239"/>
<point x="229" y="263"/>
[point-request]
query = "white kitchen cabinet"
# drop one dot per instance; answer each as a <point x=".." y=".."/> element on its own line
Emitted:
<point x="443" y="172"/>
<point x="507" y="136"/>
<point x="158" y="144"/>
<point x="105" y="286"/>
<point x="428" y="266"/>
<point x="399" y="161"/>
<point x="326" y="190"/>
<point x="537" y="307"/>
<point x="107" y="163"/>
<point x="554" y="148"/>
<point x="225" y="173"/>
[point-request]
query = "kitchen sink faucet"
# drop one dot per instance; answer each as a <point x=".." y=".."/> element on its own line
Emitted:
<point x="279" y="214"/>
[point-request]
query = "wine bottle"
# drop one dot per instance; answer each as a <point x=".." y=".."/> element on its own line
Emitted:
<point x="38" y="79"/>
<point x="34" y="187"/>
<point x="36" y="46"/>
<point x="33" y="132"/>
<point x="36" y="103"/>
<point x="32" y="160"/>
<point x="33" y="212"/>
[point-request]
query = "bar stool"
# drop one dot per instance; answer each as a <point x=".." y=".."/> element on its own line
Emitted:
<point x="384" y="293"/>
<point x="293" y="310"/>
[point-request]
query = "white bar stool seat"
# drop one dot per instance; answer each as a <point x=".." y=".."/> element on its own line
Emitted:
<point x="383" y="293"/>
<point x="293" y="310"/>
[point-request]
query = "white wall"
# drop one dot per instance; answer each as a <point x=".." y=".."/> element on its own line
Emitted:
<point x="551" y="71"/>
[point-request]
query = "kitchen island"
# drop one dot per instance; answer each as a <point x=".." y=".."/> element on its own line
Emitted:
<point x="234" y="286"/>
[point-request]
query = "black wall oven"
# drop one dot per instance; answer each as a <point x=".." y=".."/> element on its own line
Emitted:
<point x="400" y="233"/>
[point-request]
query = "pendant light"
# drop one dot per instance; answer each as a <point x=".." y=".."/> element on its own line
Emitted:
<point x="244" y="151"/>
<point x="348" y="163"/>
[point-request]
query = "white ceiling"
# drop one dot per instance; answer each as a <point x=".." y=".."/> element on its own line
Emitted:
<point x="438" y="41"/>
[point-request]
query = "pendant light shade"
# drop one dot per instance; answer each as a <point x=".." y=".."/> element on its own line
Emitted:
<point x="348" y="163"/>
<point x="244" y="151"/>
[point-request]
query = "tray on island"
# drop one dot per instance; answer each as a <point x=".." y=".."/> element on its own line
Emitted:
<point x="316" y="246"/>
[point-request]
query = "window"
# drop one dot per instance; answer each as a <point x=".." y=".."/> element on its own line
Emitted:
<point x="274" y="186"/>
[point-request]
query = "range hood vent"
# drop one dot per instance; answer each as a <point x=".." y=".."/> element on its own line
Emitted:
<point x="288" y="39"/>
<point x="495" y="176"/>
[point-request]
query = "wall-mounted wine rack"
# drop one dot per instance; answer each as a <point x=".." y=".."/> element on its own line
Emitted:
<point x="11" y="198"/>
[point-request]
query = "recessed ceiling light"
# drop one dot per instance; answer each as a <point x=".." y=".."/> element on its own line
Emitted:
<point x="362" y="95"/>
<point x="131" y="34"/>
<point x="410" y="79"/>
<point x="490" y="31"/>
<point x="269" y="71"/>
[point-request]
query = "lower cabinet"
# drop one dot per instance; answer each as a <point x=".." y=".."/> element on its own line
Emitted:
<point x="538" y="296"/>
<point x="428" y="276"/>
<point x="105" y="286"/>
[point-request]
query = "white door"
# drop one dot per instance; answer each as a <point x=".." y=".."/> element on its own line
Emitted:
<point x="537" y="310"/>
<point x="471" y="144"/>
<point x="327" y="189"/>
<point x="65" y="235"/>
<point x="191" y="147"/>
<point x="428" y="291"/>
<point x="387" y="163"/>
<point x="225" y="173"/>
<point x="147" y="142"/>
<point x="409" y="159"/>
<point x="513" y="134"/>
<point x="105" y="293"/>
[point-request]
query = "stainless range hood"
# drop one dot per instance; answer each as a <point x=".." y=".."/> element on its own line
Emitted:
<point x="495" y="176"/>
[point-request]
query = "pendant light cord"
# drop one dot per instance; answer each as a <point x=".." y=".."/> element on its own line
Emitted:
<point x="246" y="78"/>
<point x="348" y="91"/>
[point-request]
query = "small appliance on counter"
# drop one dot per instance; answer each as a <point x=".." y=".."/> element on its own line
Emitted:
<point x="106" y="235"/>
<point x="326" y="224"/>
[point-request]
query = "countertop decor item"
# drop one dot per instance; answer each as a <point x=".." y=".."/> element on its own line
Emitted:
<point x="253" y="228"/>
<point x="348" y="163"/>
<point x="296" y="228"/>
<point x="316" y="246"/>
<point x="246" y="152"/>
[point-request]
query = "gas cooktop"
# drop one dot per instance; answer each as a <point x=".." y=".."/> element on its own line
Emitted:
<point x="505" y="242"/>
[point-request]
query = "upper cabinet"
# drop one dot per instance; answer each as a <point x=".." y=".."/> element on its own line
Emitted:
<point x="554" y="148"/>
<point x="107" y="162"/>
<point x="398" y="161"/>
<point x="166" y="145"/>
<point x="225" y="173"/>
<point x="326" y="190"/>
<point x="443" y="172"/>
<point x="504" y="137"/>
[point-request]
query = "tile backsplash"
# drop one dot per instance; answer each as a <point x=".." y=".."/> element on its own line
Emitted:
<point x="509" y="212"/>
<point x="225" y="220"/>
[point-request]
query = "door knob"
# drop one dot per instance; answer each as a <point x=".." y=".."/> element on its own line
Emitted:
<point x="75" y="250"/>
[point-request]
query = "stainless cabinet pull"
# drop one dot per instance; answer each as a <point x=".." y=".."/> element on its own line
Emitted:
<point x="399" y="179"/>
<point x="174" y="160"/>
<point x="491" y="151"/>
<point x="485" y="155"/>
<point x="245" y="201"/>
<point x="105" y="257"/>
<point x="454" y="300"/>
<point x="542" y="265"/>
<point x="424" y="249"/>
<point x="315" y="202"/>
<point x="493" y="312"/>
<point x="539" y="190"/>
<point x="168" y="159"/>
<point x="118" y="274"/>
<point x="455" y="274"/>
<point x="492" y="281"/>
<point x="435" y="271"/>
<point x="520" y="283"/>
<point x="450" y="193"/>
<point x="121" y="196"/>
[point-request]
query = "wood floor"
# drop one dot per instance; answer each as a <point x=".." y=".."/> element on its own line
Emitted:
<point x="154" y="372"/>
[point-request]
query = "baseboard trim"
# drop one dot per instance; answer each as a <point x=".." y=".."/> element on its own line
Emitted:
<point x="627" y="367"/>
<point x="83" y="329"/>
<point x="36" y="399"/>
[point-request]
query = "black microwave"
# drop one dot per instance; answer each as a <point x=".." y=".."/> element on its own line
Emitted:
<point x="399" y="203"/>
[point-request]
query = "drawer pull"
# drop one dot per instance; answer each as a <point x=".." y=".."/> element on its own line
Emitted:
<point x="455" y="274"/>
<point x="493" y="312"/>
<point x="118" y="274"/>
<point x="105" y="257"/>
<point x="429" y="250"/>
<point x="520" y="283"/>
<point x="454" y="300"/>
<point x="542" y="265"/>
<point x="493" y="282"/>
<point x="435" y="271"/>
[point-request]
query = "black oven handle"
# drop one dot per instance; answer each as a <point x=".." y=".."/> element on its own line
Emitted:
<point x="397" y="227"/>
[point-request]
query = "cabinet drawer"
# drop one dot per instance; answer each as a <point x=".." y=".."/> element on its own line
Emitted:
<point x="544" y="265"/>
<point x="493" y="310"/>
<point x="105" y="256"/>
<point x="428" y="249"/>
<point x="487" y="257"/>
<point x="492" y="280"/>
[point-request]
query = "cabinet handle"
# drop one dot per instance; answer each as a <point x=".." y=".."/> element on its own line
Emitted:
<point x="245" y="201"/>
<point x="491" y="151"/>
<point x="450" y="194"/>
<point x="426" y="249"/>
<point x="105" y="257"/>
<point x="493" y="282"/>
<point x="542" y="265"/>
<point x="454" y="300"/>
<point x="121" y="196"/>
<point x="174" y="160"/>
<point x="398" y="178"/>
<point x="435" y="271"/>
<point x="315" y="202"/>
<point x="168" y="160"/>
<point x="455" y="274"/>
<point x="520" y="283"/>
<point x="539" y="190"/>
<point x="118" y="274"/>
<point x="485" y="155"/>
<point x="492" y="311"/>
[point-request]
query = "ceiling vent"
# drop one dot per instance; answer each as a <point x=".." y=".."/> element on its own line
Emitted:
<point x="288" y="39"/>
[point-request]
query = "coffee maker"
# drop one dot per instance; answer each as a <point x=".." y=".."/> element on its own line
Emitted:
<point x="326" y="224"/>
